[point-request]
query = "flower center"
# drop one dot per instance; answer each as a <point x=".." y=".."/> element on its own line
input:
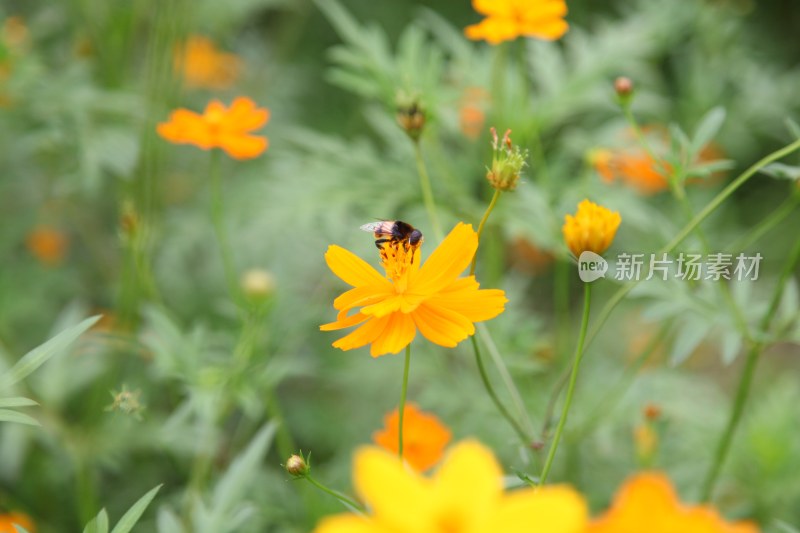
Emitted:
<point x="397" y="258"/>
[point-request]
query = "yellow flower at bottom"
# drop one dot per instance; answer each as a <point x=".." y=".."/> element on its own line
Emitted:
<point x="647" y="502"/>
<point x="424" y="437"/>
<point x="591" y="229"/>
<point x="464" y="496"/>
<point x="431" y="297"/>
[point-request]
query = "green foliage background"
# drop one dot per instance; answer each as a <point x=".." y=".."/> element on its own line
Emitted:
<point x="79" y="148"/>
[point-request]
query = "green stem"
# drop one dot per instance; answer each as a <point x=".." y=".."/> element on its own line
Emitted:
<point x="218" y="219"/>
<point x="401" y="409"/>
<point x="486" y="214"/>
<point x="618" y="296"/>
<point x="336" y="494"/>
<point x="765" y="226"/>
<point x="746" y="380"/>
<point x="572" y="380"/>
<point x="427" y="191"/>
<point x="523" y="437"/>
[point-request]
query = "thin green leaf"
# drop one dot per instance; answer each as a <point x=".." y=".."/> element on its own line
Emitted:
<point x="99" y="524"/>
<point x="20" y="529"/>
<point x="36" y="357"/>
<point x="708" y="128"/>
<point x="782" y="171"/>
<point x="794" y="127"/>
<point x="16" y="401"/>
<point x="7" y="415"/>
<point x="688" y="338"/>
<point x="130" y="518"/>
<point x="786" y="528"/>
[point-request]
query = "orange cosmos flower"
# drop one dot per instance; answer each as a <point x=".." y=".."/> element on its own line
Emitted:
<point x="431" y="297"/>
<point x="634" y="168"/>
<point x="591" y="229"/>
<point x="647" y="502"/>
<point x="203" y="65"/>
<point x="219" y="127"/>
<point x="508" y="19"/>
<point x="48" y="244"/>
<point x="7" y="522"/>
<point x="424" y="437"/>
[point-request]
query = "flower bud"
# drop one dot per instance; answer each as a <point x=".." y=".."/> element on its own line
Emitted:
<point x="652" y="412"/>
<point x="297" y="466"/>
<point x="508" y="161"/>
<point x="624" y="88"/>
<point x="258" y="284"/>
<point x="591" y="229"/>
<point x="411" y="115"/>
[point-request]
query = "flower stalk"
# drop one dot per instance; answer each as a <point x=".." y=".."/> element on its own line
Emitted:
<point x="402" y="408"/>
<point x="218" y="220"/>
<point x="579" y="349"/>
<point x="427" y="191"/>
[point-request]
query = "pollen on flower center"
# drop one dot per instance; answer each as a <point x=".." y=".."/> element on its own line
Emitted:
<point x="396" y="259"/>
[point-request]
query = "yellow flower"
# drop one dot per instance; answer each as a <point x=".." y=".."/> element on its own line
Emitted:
<point x="431" y="297"/>
<point x="647" y="502"/>
<point x="508" y="19"/>
<point x="464" y="496"/>
<point x="424" y="437"/>
<point x="203" y="65"/>
<point x="591" y="229"/>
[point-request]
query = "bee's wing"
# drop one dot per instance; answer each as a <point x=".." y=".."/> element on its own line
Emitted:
<point x="373" y="227"/>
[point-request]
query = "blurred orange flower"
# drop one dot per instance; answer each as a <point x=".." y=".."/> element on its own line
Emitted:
<point x="47" y="244"/>
<point x="508" y="19"/>
<point x="634" y="168"/>
<point x="7" y="522"/>
<point x="431" y="298"/>
<point x="203" y="65"/>
<point x="424" y="437"/>
<point x="648" y="499"/>
<point x="219" y="127"/>
<point x="471" y="115"/>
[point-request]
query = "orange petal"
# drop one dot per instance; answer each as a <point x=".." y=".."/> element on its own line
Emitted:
<point x="475" y="305"/>
<point x="352" y="269"/>
<point x="365" y="334"/>
<point x="493" y="7"/>
<point x="344" y="322"/>
<point x="349" y="523"/>
<point x="359" y="296"/>
<point x="494" y="30"/>
<point x="442" y="326"/>
<point x="548" y="30"/>
<point x="244" y="114"/>
<point x="243" y="146"/>
<point x="396" y="335"/>
<point x="449" y="260"/>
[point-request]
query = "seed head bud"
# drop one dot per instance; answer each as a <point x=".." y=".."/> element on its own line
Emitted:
<point x="624" y="88"/>
<point x="652" y="412"/>
<point x="297" y="466"/>
<point x="508" y="160"/>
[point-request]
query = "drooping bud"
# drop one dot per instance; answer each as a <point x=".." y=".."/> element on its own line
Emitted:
<point x="508" y="160"/>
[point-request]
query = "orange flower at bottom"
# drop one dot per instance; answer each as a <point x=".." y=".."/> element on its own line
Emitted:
<point x="7" y="522"/>
<point x="48" y="244"/>
<point x="219" y="127"/>
<point x="424" y="437"/>
<point x="431" y="297"/>
<point x="647" y="502"/>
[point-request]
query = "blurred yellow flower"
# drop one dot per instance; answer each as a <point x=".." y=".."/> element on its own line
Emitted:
<point x="591" y="229"/>
<point x="219" y="127"/>
<point x="431" y="297"/>
<point x="465" y="495"/>
<point x="8" y="520"/>
<point x="204" y="66"/>
<point x="508" y="19"/>
<point x="424" y="437"/>
<point x="47" y="244"/>
<point x="647" y="502"/>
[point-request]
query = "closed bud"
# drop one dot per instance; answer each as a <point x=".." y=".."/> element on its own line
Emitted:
<point x="410" y="115"/>
<point x="297" y="466"/>
<point x="624" y="88"/>
<point x="508" y="160"/>
<point x="257" y="284"/>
